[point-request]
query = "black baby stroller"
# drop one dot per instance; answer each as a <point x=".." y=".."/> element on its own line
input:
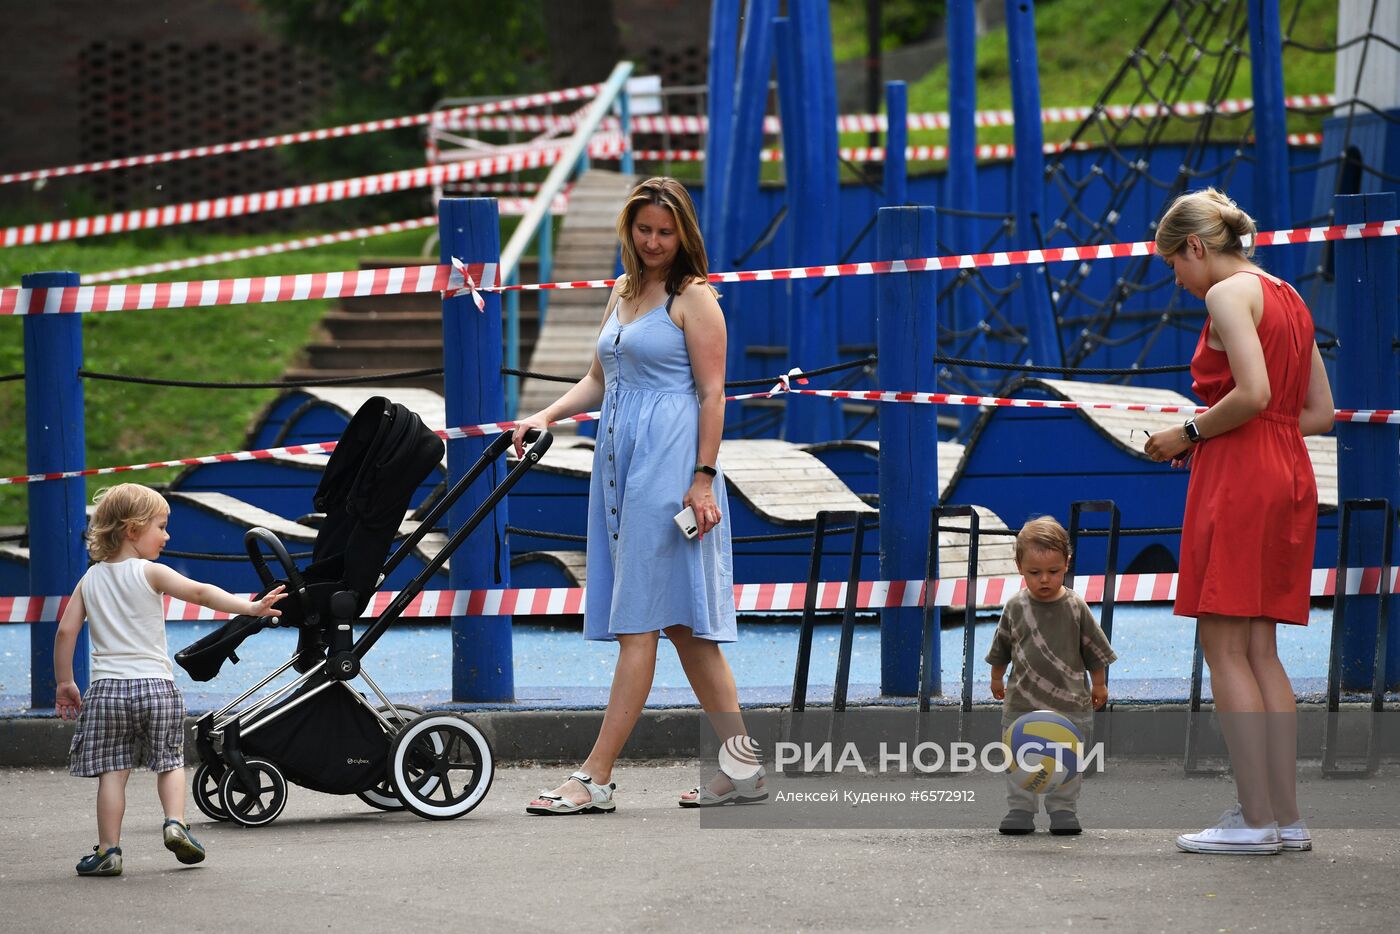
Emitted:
<point x="318" y="730"/>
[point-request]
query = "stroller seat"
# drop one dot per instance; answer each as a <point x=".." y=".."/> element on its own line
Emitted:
<point x="385" y="453"/>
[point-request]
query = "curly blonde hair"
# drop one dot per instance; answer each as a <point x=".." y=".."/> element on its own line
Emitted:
<point x="1209" y="214"/>
<point x="121" y="509"/>
<point x="1043" y="533"/>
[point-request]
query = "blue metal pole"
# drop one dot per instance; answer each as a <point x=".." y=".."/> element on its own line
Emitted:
<point x="813" y="196"/>
<point x="513" y="343"/>
<point x="482" y="667"/>
<point x="896" y="143"/>
<point x="544" y="245"/>
<point x="907" y="337"/>
<point x="55" y="441"/>
<point x="1367" y="374"/>
<point x="1028" y="180"/>
<point x="1271" y="207"/>
<point x="724" y="41"/>
<point x="735" y="217"/>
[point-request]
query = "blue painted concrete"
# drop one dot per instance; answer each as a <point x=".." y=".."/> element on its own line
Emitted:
<point x="555" y="667"/>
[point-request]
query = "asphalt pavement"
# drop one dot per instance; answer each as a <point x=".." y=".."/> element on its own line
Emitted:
<point x="332" y="863"/>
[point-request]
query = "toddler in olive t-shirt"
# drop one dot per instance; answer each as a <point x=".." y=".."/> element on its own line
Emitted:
<point x="1051" y="640"/>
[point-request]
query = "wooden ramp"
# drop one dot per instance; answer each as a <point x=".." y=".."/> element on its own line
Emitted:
<point x="586" y="249"/>
<point x="1127" y="428"/>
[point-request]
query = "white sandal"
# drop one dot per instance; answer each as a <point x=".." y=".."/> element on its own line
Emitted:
<point x="600" y="799"/>
<point x="745" y="791"/>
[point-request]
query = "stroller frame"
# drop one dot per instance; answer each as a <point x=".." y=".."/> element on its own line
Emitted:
<point x="231" y="785"/>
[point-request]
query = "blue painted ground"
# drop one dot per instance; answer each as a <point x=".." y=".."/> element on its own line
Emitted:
<point x="555" y="667"/>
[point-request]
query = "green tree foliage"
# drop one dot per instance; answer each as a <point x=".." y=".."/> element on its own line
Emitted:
<point x="400" y="57"/>
<point x="422" y="49"/>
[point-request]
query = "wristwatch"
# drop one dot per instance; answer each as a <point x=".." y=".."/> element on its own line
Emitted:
<point x="706" y="469"/>
<point x="1193" y="434"/>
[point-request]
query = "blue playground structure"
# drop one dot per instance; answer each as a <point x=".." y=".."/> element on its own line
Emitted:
<point x="1112" y="330"/>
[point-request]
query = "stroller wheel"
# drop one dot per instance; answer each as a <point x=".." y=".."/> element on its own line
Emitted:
<point x="206" y="792"/>
<point x="383" y="795"/>
<point x="441" y="766"/>
<point x="253" y="807"/>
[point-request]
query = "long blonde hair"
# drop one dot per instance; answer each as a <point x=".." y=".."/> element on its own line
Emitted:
<point x="126" y="507"/>
<point x="1210" y="215"/>
<point x="690" y="262"/>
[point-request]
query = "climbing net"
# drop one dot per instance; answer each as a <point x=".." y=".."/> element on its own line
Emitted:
<point x="1123" y="313"/>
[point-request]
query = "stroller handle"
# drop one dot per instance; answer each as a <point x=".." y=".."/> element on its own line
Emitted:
<point x="251" y="540"/>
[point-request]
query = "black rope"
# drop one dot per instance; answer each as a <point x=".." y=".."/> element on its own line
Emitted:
<point x="732" y="384"/>
<point x="764" y="238"/>
<point x="821" y="371"/>
<point x="963" y="530"/>
<point x="282" y="384"/>
<point x="739" y="539"/>
<point x="1145" y="531"/>
<point x="554" y="536"/>
<point x="860" y="237"/>
<point x="11" y="377"/>
<point x="206" y="556"/>
<point x="1087" y="371"/>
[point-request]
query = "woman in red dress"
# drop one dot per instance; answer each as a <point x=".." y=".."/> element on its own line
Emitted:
<point x="1251" y="506"/>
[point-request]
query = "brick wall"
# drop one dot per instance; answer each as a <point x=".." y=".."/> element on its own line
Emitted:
<point x="96" y="79"/>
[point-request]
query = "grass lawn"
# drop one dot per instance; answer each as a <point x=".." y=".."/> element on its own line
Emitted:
<point x="130" y="424"/>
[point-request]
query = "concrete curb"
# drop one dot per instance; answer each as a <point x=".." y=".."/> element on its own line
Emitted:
<point x="568" y="735"/>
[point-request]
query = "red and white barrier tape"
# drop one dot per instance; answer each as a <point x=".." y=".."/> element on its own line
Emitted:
<point x="1360" y="416"/>
<point x="988" y="151"/>
<point x="407" y="279"/>
<point x="508" y="207"/>
<point x="874" y="123"/>
<point x="748" y="598"/>
<point x="527" y="157"/>
<point x="602" y="146"/>
<point x="306" y="136"/>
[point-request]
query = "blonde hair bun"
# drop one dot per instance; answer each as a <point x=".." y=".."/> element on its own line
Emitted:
<point x="1210" y="214"/>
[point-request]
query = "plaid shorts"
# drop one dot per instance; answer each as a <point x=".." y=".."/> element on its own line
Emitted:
<point x="120" y="718"/>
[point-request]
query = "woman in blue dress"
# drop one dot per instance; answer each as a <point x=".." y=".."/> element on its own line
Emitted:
<point x="659" y="375"/>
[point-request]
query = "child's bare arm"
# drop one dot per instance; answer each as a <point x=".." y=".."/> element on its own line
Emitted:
<point x="68" y="700"/>
<point x="998" y="686"/>
<point x="167" y="580"/>
<point x="1098" y="687"/>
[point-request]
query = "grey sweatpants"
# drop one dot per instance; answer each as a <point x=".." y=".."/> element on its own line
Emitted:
<point x="1063" y="798"/>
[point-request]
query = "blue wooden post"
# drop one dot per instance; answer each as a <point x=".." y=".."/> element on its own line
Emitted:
<point x="482" y="665"/>
<point x="736" y="216"/>
<point x="724" y="41"/>
<point x="896" y="143"/>
<point x="814" y="200"/>
<point x="961" y="193"/>
<point x="1367" y="377"/>
<point x="907" y="336"/>
<point x="1031" y="300"/>
<point x="55" y="441"/>
<point x="1272" y="206"/>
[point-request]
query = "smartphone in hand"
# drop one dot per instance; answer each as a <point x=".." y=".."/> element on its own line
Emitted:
<point x="685" y="520"/>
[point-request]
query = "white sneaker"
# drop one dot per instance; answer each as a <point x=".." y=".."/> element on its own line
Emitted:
<point x="1295" y="836"/>
<point x="1232" y="835"/>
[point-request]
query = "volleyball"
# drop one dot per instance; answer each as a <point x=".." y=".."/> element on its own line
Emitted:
<point x="1049" y="745"/>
